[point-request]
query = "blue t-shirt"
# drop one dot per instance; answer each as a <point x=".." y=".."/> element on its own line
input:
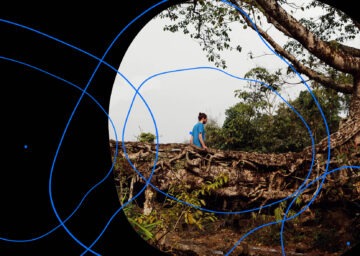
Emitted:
<point x="198" y="128"/>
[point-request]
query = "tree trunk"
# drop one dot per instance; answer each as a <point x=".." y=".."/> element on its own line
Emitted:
<point x="354" y="111"/>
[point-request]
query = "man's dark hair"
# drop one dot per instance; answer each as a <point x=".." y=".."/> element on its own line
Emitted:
<point x="201" y="116"/>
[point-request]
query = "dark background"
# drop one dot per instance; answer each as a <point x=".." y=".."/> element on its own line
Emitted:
<point x="36" y="109"/>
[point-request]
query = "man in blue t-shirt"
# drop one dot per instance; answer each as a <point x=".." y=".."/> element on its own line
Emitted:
<point x="197" y="137"/>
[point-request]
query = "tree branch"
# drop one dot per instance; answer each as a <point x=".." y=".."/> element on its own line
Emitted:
<point x="332" y="56"/>
<point x="316" y="76"/>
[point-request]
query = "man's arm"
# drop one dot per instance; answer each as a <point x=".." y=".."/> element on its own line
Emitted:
<point x="202" y="141"/>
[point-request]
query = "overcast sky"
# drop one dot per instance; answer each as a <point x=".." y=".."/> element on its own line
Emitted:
<point x="176" y="98"/>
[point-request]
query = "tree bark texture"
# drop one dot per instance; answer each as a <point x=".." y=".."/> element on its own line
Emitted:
<point x="255" y="176"/>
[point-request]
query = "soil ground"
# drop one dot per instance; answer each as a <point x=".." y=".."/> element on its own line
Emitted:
<point x="221" y="241"/>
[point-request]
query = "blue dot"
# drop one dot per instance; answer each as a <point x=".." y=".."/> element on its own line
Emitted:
<point x="348" y="243"/>
<point x="25" y="146"/>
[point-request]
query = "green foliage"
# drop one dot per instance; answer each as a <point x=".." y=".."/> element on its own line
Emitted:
<point x="185" y="213"/>
<point x="207" y="22"/>
<point x="247" y="123"/>
<point x="146" y="137"/>
<point x="210" y="186"/>
<point x="279" y="212"/>
<point x="173" y="214"/>
<point x="144" y="225"/>
<point x="123" y="173"/>
<point x="270" y="80"/>
<point x="268" y="235"/>
<point x="210" y="23"/>
<point x="332" y="24"/>
<point x="256" y="124"/>
<point x="253" y="124"/>
<point x="214" y="137"/>
<point x="290" y="125"/>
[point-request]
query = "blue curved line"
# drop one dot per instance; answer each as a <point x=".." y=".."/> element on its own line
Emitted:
<point x="186" y="70"/>
<point x="157" y="144"/>
<point x="310" y="202"/>
<point x="292" y="217"/>
<point x="289" y="64"/>
<point x="147" y="180"/>
<point x="316" y="102"/>
<point x="101" y="60"/>
<point x="282" y="58"/>
<point x="66" y="127"/>
<point x="304" y="82"/>
<point x="51" y="201"/>
<point x="317" y="179"/>
<point x="84" y="91"/>
<point x="79" y="88"/>
<point x="48" y="36"/>
<point x="307" y="205"/>
<point x="197" y="207"/>
<point x="297" y="73"/>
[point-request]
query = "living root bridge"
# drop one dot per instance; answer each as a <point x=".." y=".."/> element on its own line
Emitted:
<point x="255" y="176"/>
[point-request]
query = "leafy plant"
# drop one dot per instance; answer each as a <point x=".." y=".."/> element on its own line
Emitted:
<point x="279" y="211"/>
<point x="146" y="137"/>
<point x="144" y="225"/>
<point x="189" y="212"/>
